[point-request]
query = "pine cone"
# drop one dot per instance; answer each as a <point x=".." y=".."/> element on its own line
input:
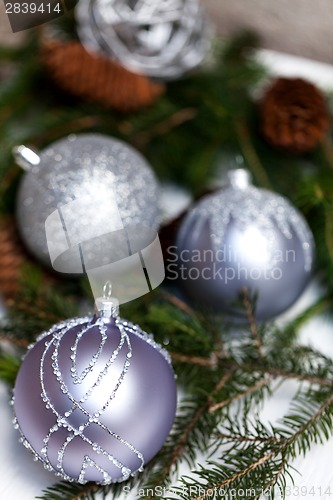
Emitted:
<point x="294" y="115"/>
<point x="12" y="256"/>
<point x="96" y="78"/>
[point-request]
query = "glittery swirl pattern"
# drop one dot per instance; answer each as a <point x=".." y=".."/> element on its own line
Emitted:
<point x="251" y="206"/>
<point x="65" y="424"/>
<point x="147" y="337"/>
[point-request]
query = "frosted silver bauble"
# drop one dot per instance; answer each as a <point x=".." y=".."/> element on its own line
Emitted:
<point x="95" y="399"/>
<point x="102" y="177"/>
<point x="162" y="39"/>
<point x="243" y="237"/>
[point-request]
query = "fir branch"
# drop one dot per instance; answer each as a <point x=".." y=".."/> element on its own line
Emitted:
<point x="301" y="377"/>
<point x="249" y="152"/>
<point x="238" y="48"/>
<point x="234" y="438"/>
<point x="180" y="304"/>
<point x="36" y="308"/>
<point x="253" y="323"/>
<point x="238" y="475"/>
<point x="314" y="310"/>
<point x="247" y="392"/>
<point x="300" y="361"/>
<point x="181" y="446"/>
<point x="195" y="360"/>
<point x="308" y="432"/>
<point x="274" y="480"/>
<point x="328" y="215"/>
<point x="299" y="430"/>
<point x="327" y="148"/>
<point x="81" y="123"/>
<point x="312" y="377"/>
<point x="9" y="366"/>
<point x="141" y="139"/>
<point x="70" y="491"/>
<point x="182" y="441"/>
<point x="8" y="337"/>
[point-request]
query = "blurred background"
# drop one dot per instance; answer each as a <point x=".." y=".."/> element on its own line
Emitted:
<point x="300" y="27"/>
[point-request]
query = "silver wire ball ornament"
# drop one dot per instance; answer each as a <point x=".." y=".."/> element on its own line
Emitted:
<point x="243" y="237"/>
<point x="100" y="177"/>
<point x="163" y="39"/>
<point x="95" y="399"/>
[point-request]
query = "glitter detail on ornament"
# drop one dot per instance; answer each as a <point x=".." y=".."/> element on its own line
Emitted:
<point x="91" y="418"/>
<point x="103" y="178"/>
<point x="87" y="373"/>
<point x="246" y="205"/>
<point x="243" y="237"/>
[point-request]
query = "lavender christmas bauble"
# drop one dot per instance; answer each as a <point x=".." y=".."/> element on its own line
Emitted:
<point x="98" y="179"/>
<point x="95" y="399"/>
<point x="243" y="237"/>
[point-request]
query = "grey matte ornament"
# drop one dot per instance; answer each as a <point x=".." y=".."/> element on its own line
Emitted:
<point x="95" y="399"/>
<point x="104" y="178"/>
<point x="243" y="237"/>
<point x="162" y="40"/>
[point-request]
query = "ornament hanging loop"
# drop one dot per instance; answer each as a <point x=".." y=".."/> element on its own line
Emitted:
<point x="25" y="157"/>
<point x="107" y="306"/>
<point x="239" y="178"/>
<point x="107" y="290"/>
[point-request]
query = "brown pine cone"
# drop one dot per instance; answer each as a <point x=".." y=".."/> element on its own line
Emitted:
<point x="12" y="256"/>
<point x="294" y="115"/>
<point x="96" y="78"/>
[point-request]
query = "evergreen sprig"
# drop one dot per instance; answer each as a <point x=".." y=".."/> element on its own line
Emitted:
<point x="219" y="414"/>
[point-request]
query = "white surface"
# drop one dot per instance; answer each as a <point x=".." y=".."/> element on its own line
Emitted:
<point x="23" y="479"/>
<point x="300" y="27"/>
<point x="313" y="477"/>
<point x="287" y="65"/>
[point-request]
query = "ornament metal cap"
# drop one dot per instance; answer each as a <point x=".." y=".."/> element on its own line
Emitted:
<point x="25" y="157"/>
<point x="107" y="306"/>
<point x="240" y="178"/>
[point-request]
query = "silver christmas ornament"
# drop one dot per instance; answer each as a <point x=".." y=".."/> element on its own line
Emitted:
<point x="99" y="181"/>
<point x="94" y="399"/>
<point x="243" y="237"/>
<point x="162" y="39"/>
